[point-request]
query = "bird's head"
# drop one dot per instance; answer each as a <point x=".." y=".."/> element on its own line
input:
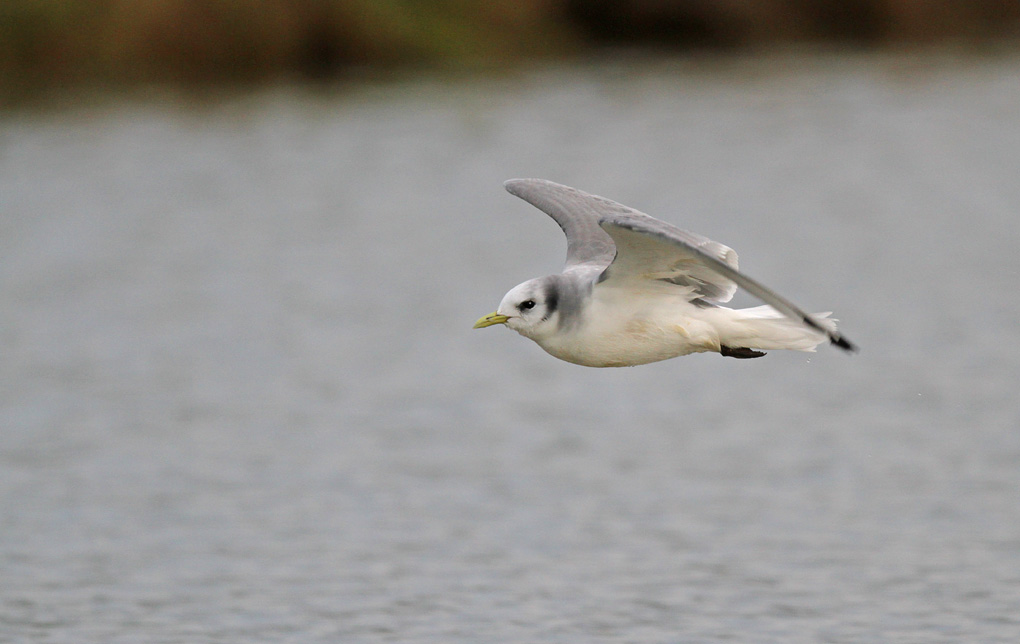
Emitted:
<point x="531" y="309"/>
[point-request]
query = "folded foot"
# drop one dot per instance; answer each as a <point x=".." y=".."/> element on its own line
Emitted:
<point x="740" y="352"/>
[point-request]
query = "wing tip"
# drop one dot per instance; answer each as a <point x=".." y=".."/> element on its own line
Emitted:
<point x="516" y="186"/>
<point x="834" y="337"/>
<point x="843" y="343"/>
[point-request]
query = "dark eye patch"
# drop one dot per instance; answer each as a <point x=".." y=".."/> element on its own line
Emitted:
<point x="526" y="305"/>
<point x="552" y="299"/>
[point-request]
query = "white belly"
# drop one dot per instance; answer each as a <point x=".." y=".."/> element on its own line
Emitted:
<point x="650" y="331"/>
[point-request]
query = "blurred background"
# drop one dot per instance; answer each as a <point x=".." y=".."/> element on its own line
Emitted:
<point x="51" y="46"/>
<point x="242" y="246"/>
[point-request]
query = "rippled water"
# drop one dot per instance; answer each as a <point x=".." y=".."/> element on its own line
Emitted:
<point x="242" y="401"/>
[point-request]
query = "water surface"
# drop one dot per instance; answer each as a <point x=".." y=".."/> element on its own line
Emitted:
<point x="242" y="401"/>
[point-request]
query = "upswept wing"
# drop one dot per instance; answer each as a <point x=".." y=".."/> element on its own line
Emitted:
<point x="577" y="213"/>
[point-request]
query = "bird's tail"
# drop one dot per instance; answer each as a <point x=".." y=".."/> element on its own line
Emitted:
<point x="765" y="328"/>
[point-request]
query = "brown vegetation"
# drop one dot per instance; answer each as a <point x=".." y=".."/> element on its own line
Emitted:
<point x="736" y="23"/>
<point x="47" y="45"/>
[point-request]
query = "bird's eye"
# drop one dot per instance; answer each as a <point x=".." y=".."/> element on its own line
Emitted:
<point x="526" y="305"/>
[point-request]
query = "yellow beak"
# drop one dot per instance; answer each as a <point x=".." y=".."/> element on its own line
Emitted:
<point x="489" y="320"/>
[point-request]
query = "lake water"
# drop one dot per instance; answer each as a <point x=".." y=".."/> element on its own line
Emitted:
<point x="242" y="400"/>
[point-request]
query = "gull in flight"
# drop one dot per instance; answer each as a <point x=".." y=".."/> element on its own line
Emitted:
<point x="637" y="290"/>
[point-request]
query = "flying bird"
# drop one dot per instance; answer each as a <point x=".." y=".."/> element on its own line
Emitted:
<point x="636" y="290"/>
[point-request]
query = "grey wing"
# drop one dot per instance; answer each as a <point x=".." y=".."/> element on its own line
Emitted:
<point x="577" y="213"/>
<point x="651" y="249"/>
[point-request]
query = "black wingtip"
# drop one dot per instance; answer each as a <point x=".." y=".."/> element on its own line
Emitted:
<point x="844" y="344"/>
<point x="834" y="337"/>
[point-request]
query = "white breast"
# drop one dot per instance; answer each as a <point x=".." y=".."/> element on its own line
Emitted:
<point x="626" y="327"/>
